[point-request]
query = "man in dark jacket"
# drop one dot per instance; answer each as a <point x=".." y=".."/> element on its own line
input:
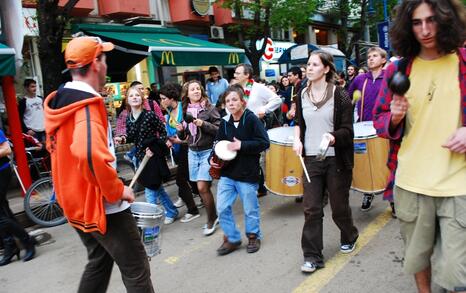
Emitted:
<point x="241" y="175"/>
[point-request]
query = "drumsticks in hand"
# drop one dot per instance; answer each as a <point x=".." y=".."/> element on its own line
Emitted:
<point x="304" y="168"/>
<point x="138" y="172"/>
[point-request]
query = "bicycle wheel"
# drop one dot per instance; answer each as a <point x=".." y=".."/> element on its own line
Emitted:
<point x="41" y="206"/>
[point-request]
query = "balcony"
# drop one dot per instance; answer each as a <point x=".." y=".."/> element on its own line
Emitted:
<point x="222" y="16"/>
<point x="124" y="8"/>
<point x="81" y="9"/>
<point x="181" y="12"/>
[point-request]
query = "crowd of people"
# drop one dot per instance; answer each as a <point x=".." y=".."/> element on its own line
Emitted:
<point x="426" y="127"/>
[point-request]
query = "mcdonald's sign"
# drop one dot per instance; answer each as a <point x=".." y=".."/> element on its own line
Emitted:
<point x="168" y="58"/>
<point x="233" y="58"/>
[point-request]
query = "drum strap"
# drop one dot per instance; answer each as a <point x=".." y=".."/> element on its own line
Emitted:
<point x="362" y="99"/>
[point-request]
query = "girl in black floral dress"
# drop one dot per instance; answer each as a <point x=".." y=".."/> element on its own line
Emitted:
<point x="147" y="132"/>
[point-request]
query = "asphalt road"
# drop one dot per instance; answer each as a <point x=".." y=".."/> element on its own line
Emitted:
<point x="189" y="263"/>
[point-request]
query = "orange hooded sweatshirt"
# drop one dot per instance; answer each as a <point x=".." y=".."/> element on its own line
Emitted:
<point x="77" y="139"/>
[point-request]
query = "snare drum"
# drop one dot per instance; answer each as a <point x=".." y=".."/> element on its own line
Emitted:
<point x="283" y="171"/>
<point x="370" y="173"/>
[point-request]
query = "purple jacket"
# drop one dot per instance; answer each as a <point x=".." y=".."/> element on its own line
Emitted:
<point x="370" y="93"/>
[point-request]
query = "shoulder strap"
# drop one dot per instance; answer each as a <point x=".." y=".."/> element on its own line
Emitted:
<point x="151" y="105"/>
<point x="362" y="98"/>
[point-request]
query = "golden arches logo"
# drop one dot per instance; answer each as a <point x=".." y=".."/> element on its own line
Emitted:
<point x="177" y="43"/>
<point x="167" y="57"/>
<point x="233" y="58"/>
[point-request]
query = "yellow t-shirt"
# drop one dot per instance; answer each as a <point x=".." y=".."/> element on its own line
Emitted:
<point x="424" y="166"/>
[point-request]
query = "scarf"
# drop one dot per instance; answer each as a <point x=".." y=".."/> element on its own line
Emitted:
<point x="247" y="88"/>
<point x="171" y="124"/>
<point x="194" y="109"/>
<point x="173" y="121"/>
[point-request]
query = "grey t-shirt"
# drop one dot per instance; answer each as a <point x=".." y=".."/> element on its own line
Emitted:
<point x="318" y="121"/>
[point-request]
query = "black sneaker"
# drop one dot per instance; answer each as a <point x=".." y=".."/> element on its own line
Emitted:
<point x="348" y="248"/>
<point x="392" y="205"/>
<point x="367" y="202"/>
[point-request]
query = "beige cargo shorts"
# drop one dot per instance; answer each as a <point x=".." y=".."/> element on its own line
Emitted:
<point x="434" y="233"/>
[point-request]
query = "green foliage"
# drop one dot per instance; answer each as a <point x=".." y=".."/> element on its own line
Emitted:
<point x="283" y="13"/>
<point x="292" y="13"/>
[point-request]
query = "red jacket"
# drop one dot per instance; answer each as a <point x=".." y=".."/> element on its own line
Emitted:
<point x="77" y="139"/>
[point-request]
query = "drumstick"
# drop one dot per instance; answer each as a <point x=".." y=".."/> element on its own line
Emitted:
<point x="304" y="168"/>
<point x="171" y="156"/>
<point x="139" y="170"/>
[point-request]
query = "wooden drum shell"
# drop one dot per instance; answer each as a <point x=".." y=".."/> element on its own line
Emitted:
<point x="283" y="171"/>
<point x="370" y="173"/>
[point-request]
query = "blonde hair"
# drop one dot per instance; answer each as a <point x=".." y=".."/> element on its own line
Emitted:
<point x="141" y="94"/>
<point x="379" y="50"/>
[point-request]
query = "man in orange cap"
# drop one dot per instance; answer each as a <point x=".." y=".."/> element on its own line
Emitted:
<point x="94" y="200"/>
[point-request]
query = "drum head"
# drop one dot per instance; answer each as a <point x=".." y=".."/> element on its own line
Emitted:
<point x="364" y="129"/>
<point x="222" y="151"/>
<point x="281" y="135"/>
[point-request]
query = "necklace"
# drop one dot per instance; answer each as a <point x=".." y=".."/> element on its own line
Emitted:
<point x="247" y="88"/>
<point x="322" y="100"/>
<point x="133" y="116"/>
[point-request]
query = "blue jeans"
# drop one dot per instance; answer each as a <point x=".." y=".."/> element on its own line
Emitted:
<point x="227" y="192"/>
<point x="132" y="156"/>
<point x="161" y="196"/>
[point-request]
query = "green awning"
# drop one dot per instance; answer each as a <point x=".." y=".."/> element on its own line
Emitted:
<point x="7" y="61"/>
<point x="167" y="46"/>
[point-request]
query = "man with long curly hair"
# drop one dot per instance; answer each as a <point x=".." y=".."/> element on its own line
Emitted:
<point x="427" y="129"/>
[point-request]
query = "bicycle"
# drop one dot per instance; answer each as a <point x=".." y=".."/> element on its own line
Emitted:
<point x="40" y="203"/>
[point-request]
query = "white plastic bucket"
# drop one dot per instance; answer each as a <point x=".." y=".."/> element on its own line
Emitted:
<point x="149" y="219"/>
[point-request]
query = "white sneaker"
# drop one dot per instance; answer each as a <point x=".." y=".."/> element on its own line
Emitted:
<point x="189" y="217"/>
<point x="308" y="267"/>
<point x="178" y="203"/>
<point x="168" y="220"/>
<point x="209" y="231"/>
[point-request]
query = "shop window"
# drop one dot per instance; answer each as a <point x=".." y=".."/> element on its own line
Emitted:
<point x="321" y="36"/>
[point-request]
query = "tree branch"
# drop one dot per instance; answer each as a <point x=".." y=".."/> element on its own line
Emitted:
<point x="68" y="7"/>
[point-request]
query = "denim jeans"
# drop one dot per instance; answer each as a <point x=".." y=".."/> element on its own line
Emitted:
<point x="160" y="196"/>
<point x="132" y="156"/>
<point x="227" y="192"/>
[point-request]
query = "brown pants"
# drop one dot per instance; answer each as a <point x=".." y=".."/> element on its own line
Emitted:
<point x="121" y="244"/>
<point x="325" y="175"/>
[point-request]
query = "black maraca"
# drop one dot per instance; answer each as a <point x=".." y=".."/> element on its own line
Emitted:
<point x="399" y="83"/>
<point x="188" y="117"/>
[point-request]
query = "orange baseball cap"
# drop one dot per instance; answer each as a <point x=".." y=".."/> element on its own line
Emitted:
<point x="83" y="50"/>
